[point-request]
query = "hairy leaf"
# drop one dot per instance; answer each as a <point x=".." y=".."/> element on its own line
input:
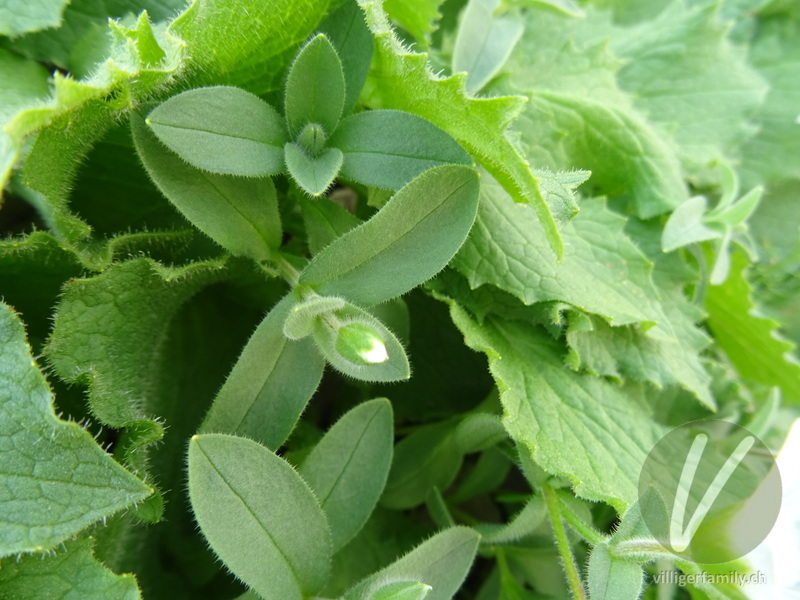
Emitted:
<point x="407" y="83"/>
<point x="410" y="240"/>
<point x="54" y="478"/>
<point x="269" y="386"/>
<point x="612" y="578"/>
<point x="240" y="214"/>
<point x="441" y="562"/>
<point x="259" y="516"/>
<point x="376" y="155"/>
<point x="314" y="174"/>
<point x="347" y="469"/>
<point x="222" y="129"/>
<point x="578" y="426"/>
<point x="70" y="574"/>
<point x="315" y="87"/>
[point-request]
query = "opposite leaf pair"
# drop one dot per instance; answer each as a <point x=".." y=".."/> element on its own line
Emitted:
<point x="229" y="131"/>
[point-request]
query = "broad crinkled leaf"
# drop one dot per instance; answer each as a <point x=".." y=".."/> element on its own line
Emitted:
<point x="21" y="17"/>
<point x="269" y="386"/>
<point x="704" y="95"/>
<point x="402" y="80"/>
<point x="602" y="271"/>
<point x="748" y="339"/>
<point x="249" y="48"/>
<point x="109" y="328"/>
<point x="376" y="155"/>
<point x="774" y="153"/>
<point x="239" y="213"/>
<point x="406" y="243"/>
<point x="419" y="17"/>
<point x="259" y="516"/>
<point x="578" y="426"/>
<point x="71" y="573"/>
<point x="54" y="478"/>
<point x="222" y="129"/>
<point x="347" y="469"/>
<point x="90" y="106"/>
<point x="483" y="42"/>
<point x="579" y="118"/>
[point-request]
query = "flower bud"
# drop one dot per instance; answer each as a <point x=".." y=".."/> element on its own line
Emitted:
<point x="361" y="343"/>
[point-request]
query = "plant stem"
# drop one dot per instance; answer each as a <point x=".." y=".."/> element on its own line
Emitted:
<point x="570" y="567"/>
<point x="287" y="270"/>
<point x="583" y="529"/>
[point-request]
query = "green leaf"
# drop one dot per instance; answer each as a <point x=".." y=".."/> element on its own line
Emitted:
<point x="90" y="107"/>
<point x="749" y="339"/>
<point x="418" y="17"/>
<point x="21" y="17"/>
<point x="441" y="562"/>
<point x="612" y="578"/>
<point x="479" y="431"/>
<point x="599" y="257"/>
<point x="389" y="148"/>
<point x="71" y="574"/>
<point x="403" y="80"/>
<point x="483" y="42"/>
<point x="315" y="87"/>
<point x="55" y="479"/>
<point x="300" y="319"/>
<point x="383" y="360"/>
<point x="259" y="517"/>
<point x="347" y="469"/>
<point x="402" y="590"/>
<point x="579" y="118"/>
<point x="325" y="221"/>
<point x="249" y="48"/>
<point x="269" y="386"/>
<point x="578" y="426"/>
<point x="314" y="174"/>
<point x="426" y="458"/>
<point x="774" y="153"/>
<point x="239" y="214"/>
<point x="711" y="92"/>
<point x="407" y="242"/>
<point x="686" y="225"/>
<point x="222" y="129"/>
<point x="107" y="327"/>
<point x="347" y="31"/>
<point x="521" y="525"/>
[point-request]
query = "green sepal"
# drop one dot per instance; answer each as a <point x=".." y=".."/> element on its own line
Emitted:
<point x="314" y="174"/>
<point x="347" y="469"/>
<point x="270" y="384"/>
<point x="259" y="516"/>
<point x="300" y="320"/>
<point x="240" y="214"/>
<point x="406" y="243"/>
<point x="315" y="88"/>
<point x="222" y="129"/>
<point x="388" y="148"/>
<point x="326" y="336"/>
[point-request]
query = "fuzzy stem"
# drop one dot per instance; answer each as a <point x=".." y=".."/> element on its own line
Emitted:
<point x="567" y="560"/>
<point x="583" y="529"/>
<point x="287" y="270"/>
